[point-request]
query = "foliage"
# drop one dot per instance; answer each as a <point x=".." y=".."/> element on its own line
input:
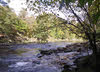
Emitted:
<point x="43" y="27"/>
<point x="90" y="7"/>
<point x="10" y="25"/>
<point x="30" y="22"/>
<point x="48" y="25"/>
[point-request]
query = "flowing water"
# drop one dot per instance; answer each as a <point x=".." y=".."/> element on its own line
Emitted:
<point x="27" y="58"/>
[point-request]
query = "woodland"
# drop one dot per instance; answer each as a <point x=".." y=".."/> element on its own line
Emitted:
<point x="23" y="34"/>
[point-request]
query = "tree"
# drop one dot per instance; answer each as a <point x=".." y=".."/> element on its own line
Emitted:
<point x="30" y="21"/>
<point x="47" y="26"/>
<point x="23" y="14"/>
<point x="90" y="20"/>
<point x="10" y="25"/>
<point x="91" y="11"/>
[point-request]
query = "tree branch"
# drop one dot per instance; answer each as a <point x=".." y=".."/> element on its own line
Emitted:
<point x="72" y="30"/>
<point x="89" y="18"/>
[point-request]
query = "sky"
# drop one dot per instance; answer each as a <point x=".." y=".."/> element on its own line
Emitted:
<point x="18" y="5"/>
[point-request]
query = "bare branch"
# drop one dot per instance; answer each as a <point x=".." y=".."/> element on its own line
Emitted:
<point x="73" y="25"/>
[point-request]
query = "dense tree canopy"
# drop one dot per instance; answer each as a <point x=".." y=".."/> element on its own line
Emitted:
<point x="48" y="25"/>
<point x="87" y="23"/>
<point x="10" y="25"/>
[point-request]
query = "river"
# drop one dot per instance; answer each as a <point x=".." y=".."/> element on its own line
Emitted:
<point x="27" y="57"/>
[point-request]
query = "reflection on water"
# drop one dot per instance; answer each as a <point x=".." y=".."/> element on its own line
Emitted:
<point x="27" y="52"/>
<point x="6" y="51"/>
<point x="19" y="51"/>
<point x="32" y="48"/>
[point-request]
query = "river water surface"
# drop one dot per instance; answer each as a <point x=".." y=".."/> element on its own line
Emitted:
<point x="27" y="57"/>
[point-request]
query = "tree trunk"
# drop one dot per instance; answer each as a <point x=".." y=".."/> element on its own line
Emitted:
<point x="95" y="53"/>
